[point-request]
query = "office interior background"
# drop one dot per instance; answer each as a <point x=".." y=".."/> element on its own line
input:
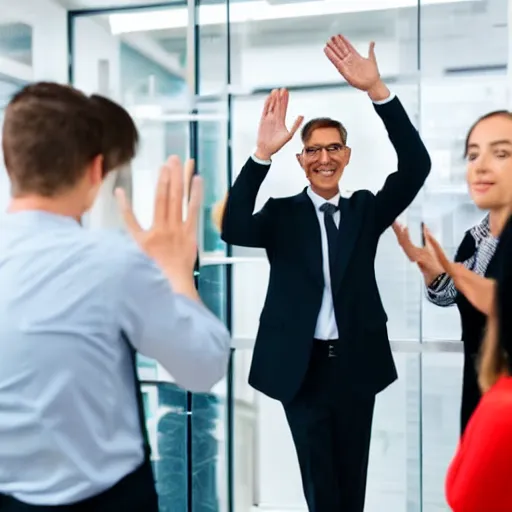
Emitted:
<point x="194" y="76"/>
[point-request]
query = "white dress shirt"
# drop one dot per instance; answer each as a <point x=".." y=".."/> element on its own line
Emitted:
<point x="69" y="425"/>
<point x="326" y="328"/>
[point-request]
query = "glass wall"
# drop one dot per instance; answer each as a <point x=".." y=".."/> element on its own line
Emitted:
<point x="194" y="76"/>
<point x="153" y="73"/>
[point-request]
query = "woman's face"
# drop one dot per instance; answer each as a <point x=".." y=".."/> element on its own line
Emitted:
<point x="489" y="163"/>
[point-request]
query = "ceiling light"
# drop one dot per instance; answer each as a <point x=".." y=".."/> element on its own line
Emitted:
<point x="257" y="10"/>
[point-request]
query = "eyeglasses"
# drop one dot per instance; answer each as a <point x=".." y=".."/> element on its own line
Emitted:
<point x="317" y="150"/>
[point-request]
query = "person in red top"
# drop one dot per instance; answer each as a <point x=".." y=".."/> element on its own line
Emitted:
<point x="479" y="478"/>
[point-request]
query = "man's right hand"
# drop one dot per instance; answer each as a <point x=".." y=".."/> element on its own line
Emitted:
<point x="424" y="257"/>
<point x="171" y="241"/>
<point x="272" y="132"/>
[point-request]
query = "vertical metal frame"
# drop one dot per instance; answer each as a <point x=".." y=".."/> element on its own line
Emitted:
<point x="230" y="398"/>
<point x="192" y="86"/>
<point x="420" y="333"/>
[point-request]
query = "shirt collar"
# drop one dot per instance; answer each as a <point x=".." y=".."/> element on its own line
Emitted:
<point x="481" y="231"/>
<point x="318" y="201"/>
<point x="40" y="217"/>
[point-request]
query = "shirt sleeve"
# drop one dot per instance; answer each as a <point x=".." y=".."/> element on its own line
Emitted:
<point x="442" y="292"/>
<point x="479" y="476"/>
<point x="181" y="334"/>
<point x="391" y="97"/>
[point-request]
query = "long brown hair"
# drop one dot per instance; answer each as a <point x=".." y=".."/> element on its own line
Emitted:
<point x="493" y="359"/>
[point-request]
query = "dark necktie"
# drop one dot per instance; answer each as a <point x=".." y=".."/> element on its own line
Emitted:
<point x="329" y="210"/>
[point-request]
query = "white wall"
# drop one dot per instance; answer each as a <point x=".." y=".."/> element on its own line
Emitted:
<point x="96" y="58"/>
<point x="49" y="25"/>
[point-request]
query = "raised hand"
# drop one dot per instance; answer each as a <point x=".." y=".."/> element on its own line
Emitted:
<point x="360" y="72"/>
<point x="171" y="241"/>
<point x="424" y="257"/>
<point x="477" y="289"/>
<point x="272" y="132"/>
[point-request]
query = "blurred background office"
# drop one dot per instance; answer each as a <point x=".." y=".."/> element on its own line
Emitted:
<point x="194" y="76"/>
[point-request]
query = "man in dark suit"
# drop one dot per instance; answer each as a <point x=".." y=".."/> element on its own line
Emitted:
<point x="322" y="348"/>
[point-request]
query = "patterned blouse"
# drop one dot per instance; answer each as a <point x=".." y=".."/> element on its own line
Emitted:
<point x="442" y="291"/>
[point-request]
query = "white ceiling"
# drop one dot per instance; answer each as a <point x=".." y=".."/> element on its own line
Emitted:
<point x="99" y="4"/>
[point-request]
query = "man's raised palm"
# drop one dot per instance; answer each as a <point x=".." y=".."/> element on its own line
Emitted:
<point x="360" y="72"/>
<point x="273" y="133"/>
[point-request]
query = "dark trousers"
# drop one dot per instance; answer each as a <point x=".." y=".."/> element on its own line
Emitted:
<point x="331" y="428"/>
<point x="134" y="493"/>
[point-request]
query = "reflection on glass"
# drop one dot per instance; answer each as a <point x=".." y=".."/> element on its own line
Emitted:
<point x="209" y="422"/>
<point x="209" y="467"/>
<point x="166" y="420"/>
<point x="245" y="413"/>
<point x="16" y="49"/>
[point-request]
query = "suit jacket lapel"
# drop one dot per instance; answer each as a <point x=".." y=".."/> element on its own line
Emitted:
<point x="350" y="224"/>
<point x="311" y="240"/>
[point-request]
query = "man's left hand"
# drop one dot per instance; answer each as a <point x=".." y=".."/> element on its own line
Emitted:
<point x="360" y="72"/>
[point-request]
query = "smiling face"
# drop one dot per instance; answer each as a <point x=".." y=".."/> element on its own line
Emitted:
<point x="489" y="162"/>
<point x="324" y="156"/>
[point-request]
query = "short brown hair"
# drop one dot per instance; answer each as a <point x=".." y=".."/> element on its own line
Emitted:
<point x="51" y="133"/>
<point x="120" y="135"/>
<point x="322" y="122"/>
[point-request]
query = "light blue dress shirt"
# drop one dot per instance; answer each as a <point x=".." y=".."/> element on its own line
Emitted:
<point x="69" y="427"/>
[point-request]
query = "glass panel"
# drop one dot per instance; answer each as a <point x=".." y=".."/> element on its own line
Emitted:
<point x="210" y="427"/>
<point x="264" y="448"/>
<point x="127" y="57"/>
<point x="212" y="48"/>
<point x="209" y="466"/>
<point x="245" y="435"/>
<point x="459" y="86"/>
<point x="280" y="43"/>
<point x="263" y="444"/>
<point x="211" y="163"/>
<point x="393" y="475"/>
<point x="441" y="398"/>
<point x="16" y="55"/>
<point x="166" y="419"/>
<point x="209" y="411"/>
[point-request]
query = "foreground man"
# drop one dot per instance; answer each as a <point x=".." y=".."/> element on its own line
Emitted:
<point x="322" y="348"/>
<point x="74" y="304"/>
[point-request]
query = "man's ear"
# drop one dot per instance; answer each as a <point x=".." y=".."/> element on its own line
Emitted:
<point x="299" y="159"/>
<point x="348" y="155"/>
<point x="96" y="170"/>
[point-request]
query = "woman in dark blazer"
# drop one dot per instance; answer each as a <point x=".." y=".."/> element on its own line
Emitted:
<point x="488" y="152"/>
<point x="478" y="478"/>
